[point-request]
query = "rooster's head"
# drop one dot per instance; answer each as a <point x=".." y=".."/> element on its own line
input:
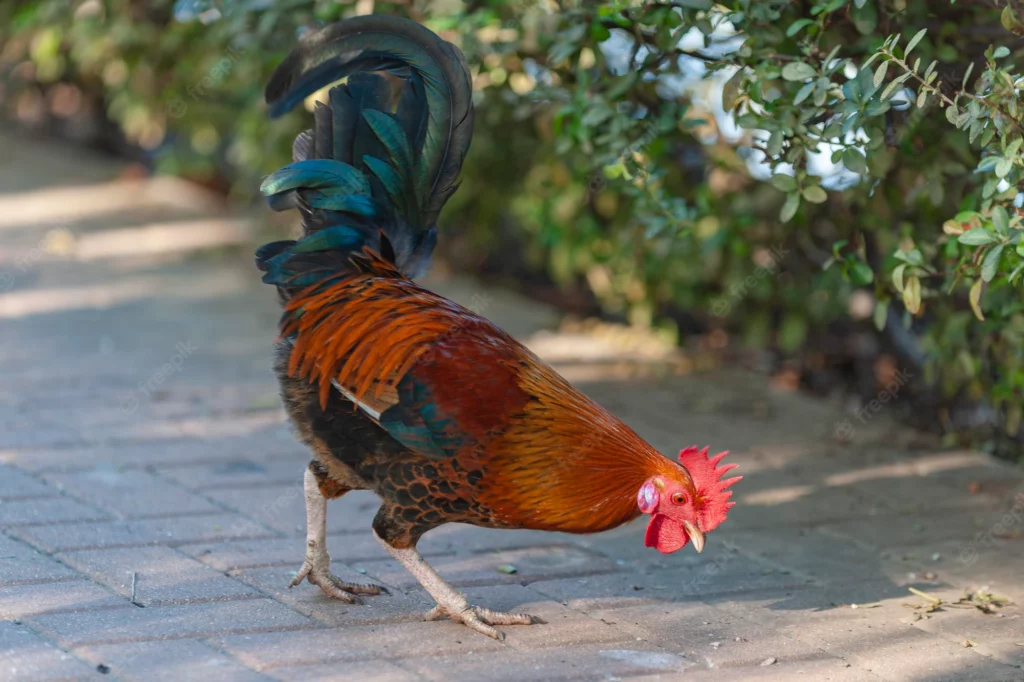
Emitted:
<point x="686" y="505"/>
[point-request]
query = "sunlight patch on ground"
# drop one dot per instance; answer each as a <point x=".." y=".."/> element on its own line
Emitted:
<point x="75" y="204"/>
<point x="782" y="495"/>
<point x="163" y="238"/>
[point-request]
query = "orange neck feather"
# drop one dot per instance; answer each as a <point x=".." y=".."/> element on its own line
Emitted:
<point x="567" y="464"/>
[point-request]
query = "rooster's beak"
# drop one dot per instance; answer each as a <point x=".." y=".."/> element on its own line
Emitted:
<point x="695" y="534"/>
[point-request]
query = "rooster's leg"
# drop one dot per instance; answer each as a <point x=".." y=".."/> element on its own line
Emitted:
<point x="451" y="602"/>
<point x="317" y="566"/>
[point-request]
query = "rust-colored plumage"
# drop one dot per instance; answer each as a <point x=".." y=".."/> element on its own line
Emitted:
<point x="339" y="329"/>
<point x="528" y="449"/>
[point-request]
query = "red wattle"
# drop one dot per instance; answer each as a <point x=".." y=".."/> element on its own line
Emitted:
<point x="665" y="535"/>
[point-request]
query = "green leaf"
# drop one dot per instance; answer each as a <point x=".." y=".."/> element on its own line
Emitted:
<point x="988" y="163"/>
<point x="784" y="182"/>
<point x="895" y="85"/>
<point x="797" y="26"/>
<point x="881" y="314"/>
<point x="865" y="18"/>
<point x="804" y="92"/>
<point x="731" y="90"/>
<point x="952" y="228"/>
<point x="861" y="274"/>
<point x="976" y="237"/>
<point x="967" y="74"/>
<point x="789" y="207"/>
<point x="798" y="71"/>
<point x="1003" y="167"/>
<point x="991" y="263"/>
<point x="897" y="277"/>
<point x="880" y="74"/>
<point x="1001" y="51"/>
<point x="1009" y="19"/>
<point x="975" y="299"/>
<point x="854" y="160"/>
<point x="1001" y="220"/>
<point x="815" y="194"/>
<point x="913" y="42"/>
<point x="912" y="295"/>
<point x="952" y="115"/>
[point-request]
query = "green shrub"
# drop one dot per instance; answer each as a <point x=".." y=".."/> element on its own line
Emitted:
<point x="766" y="166"/>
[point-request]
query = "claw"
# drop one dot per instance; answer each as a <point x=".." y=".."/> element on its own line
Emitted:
<point x="482" y="620"/>
<point x="333" y="586"/>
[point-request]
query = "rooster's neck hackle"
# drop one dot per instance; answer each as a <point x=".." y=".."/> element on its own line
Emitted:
<point x="570" y="464"/>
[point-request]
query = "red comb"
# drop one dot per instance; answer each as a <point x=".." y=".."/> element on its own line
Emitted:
<point x="707" y="480"/>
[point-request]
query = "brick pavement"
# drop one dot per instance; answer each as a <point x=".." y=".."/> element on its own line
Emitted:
<point x="142" y="445"/>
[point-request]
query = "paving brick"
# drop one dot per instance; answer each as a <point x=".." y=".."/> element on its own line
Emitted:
<point x="482" y="569"/>
<point x="19" y="601"/>
<point x="1010" y="652"/>
<point x="915" y="656"/>
<point x="810" y="553"/>
<point x="882" y="639"/>
<point x="685" y="582"/>
<point x="25" y="656"/>
<point x="968" y="564"/>
<point x="238" y="473"/>
<point x="826" y="670"/>
<point x="284" y="507"/>
<point x="46" y="510"/>
<point x="772" y="499"/>
<point x="359" y="642"/>
<point x="168" y="622"/>
<point x="375" y="671"/>
<point x="997" y="634"/>
<point x="871" y="515"/>
<point x="163" y="531"/>
<point x="173" y="661"/>
<point x="162" y="575"/>
<point x="310" y="599"/>
<point x="158" y="450"/>
<point x="625" y="546"/>
<point x="286" y="551"/>
<point x="130" y="493"/>
<point x="908" y="532"/>
<point x="706" y="635"/>
<point x="918" y="495"/>
<point x="587" y="662"/>
<point x="16" y="484"/>
<point x="561" y="626"/>
<point x="21" y="564"/>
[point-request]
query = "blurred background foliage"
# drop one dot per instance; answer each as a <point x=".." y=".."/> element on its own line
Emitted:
<point x="828" y="190"/>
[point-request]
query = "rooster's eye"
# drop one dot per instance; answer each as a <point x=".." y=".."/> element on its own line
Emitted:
<point x="679" y="498"/>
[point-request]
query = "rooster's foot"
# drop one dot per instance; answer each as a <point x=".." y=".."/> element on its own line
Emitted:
<point x="480" y="619"/>
<point x="316" y="569"/>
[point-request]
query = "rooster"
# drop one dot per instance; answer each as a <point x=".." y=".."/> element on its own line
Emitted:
<point x="400" y="391"/>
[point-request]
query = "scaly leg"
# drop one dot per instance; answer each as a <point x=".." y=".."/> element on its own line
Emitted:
<point x="317" y="566"/>
<point x="451" y="602"/>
